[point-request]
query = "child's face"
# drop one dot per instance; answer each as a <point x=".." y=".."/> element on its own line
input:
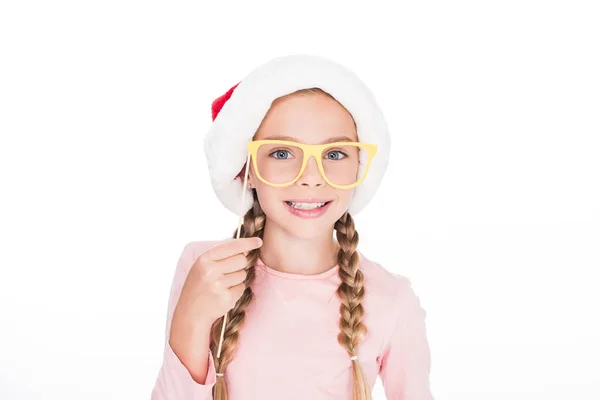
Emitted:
<point x="310" y="119"/>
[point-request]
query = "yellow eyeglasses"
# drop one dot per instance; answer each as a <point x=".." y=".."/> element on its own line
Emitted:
<point x="281" y="163"/>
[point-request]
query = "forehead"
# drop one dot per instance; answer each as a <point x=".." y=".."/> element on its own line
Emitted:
<point x="308" y="118"/>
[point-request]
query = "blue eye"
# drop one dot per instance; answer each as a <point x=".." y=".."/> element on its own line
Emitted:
<point x="337" y="157"/>
<point x="279" y="152"/>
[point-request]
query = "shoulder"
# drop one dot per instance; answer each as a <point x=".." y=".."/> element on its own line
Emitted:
<point x="390" y="297"/>
<point x="389" y="291"/>
<point x="383" y="283"/>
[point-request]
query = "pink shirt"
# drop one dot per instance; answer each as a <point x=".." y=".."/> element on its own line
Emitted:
<point x="288" y="346"/>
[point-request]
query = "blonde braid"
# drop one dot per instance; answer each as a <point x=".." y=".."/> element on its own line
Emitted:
<point x="351" y="293"/>
<point x="254" y="223"/>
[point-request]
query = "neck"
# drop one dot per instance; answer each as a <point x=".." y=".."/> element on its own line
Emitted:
<point x="286" y="253"/>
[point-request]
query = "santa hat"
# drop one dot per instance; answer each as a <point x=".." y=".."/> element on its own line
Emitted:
<point x="238" y="113"/>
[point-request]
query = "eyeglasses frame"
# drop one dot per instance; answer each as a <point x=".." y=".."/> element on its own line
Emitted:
<point x="311" y="150"/>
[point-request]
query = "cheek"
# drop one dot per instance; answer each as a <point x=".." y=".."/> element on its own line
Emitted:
<point x="268" y="196"/>
<point x="345" y="196"/>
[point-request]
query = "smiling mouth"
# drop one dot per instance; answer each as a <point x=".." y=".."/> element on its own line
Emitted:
<point x="307" y="206"/>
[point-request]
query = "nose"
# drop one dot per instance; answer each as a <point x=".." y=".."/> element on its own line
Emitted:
<point x="311" y="175"/>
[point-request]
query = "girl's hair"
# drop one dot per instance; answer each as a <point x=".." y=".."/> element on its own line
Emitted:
<point x="351" y="293"/>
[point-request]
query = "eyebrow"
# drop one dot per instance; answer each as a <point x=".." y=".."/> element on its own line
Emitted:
<point x="330" y="140"/>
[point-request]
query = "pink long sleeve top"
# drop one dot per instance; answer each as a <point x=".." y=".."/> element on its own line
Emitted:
<point x="288" y="346"/>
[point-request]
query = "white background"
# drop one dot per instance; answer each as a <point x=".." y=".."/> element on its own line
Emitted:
<point x="491" y="203"/>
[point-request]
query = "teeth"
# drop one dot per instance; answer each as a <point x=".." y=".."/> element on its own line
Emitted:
<point x="305" y="206"/>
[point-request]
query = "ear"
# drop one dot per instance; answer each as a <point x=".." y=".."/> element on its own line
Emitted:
<point x="250" y="179"/>
<point x="242" y="174"/>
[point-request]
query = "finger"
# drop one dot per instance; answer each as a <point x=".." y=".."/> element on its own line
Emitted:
<point x="232" y="247"/>
<point x="232" y="264"/>
<point x="234" y="278"/>
<point x="237" y="290"/>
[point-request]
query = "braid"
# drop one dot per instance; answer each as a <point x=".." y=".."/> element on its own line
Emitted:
<point x="254" y="223"/>
<point x="351" y="293"/>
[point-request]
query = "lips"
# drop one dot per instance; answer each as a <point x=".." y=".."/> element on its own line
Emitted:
<point x="312" y="213"/>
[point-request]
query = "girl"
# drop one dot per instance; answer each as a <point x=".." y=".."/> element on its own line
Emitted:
<point x="302" y="141"/>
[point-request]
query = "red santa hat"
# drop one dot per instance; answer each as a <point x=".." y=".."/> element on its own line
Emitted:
<point x="238" y="113"/>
